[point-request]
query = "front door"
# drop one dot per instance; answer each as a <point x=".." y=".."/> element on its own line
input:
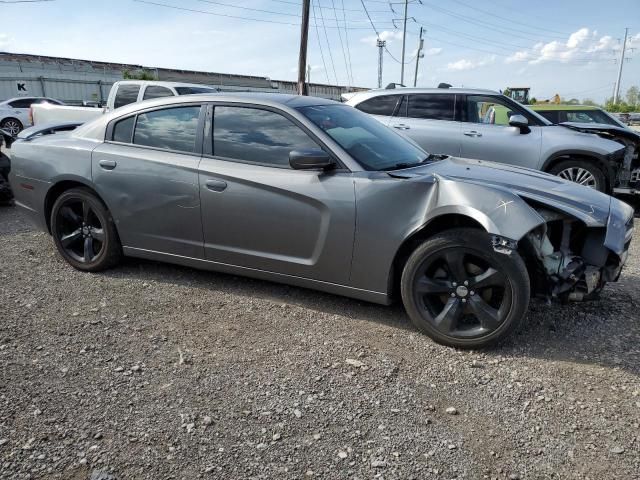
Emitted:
<point x="147" y="173"/>
<point x="487" y="135"/>
<point x="259" y="213"/>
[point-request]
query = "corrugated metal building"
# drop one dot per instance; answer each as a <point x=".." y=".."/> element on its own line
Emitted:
<point x="74" y="81"/>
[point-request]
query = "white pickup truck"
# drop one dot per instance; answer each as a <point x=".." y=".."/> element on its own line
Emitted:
<point x="121" y="93"/>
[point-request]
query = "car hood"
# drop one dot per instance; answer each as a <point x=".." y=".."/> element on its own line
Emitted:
<point x="586" y="204"/>
<point x="596" y="128"/>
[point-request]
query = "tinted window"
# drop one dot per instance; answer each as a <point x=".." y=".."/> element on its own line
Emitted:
<point x="170" y="128"/>
<point x="191" y="90"/>
<point x="552" y="116"/>
<point x="433" y="107"/>
<point x="123" y="130"/>
<point x="256" y="136"/>
<point x="154" y="91"/>
<point x="125" y="95"/>
<point x="23" y="102"/>
<point x="589" y="116"/>
<point x="371" y="144"/>
<point x="384" y="105"/>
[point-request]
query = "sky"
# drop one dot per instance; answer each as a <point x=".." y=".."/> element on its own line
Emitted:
<point x="569" y="47"/>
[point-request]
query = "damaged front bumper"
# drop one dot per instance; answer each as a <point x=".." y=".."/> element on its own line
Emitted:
<point x="572" y="261"/>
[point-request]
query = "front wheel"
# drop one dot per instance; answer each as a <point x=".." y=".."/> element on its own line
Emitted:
<point x="462" y="293"/>
<point x="582" y="172"/>
<point x="12" y="125"/>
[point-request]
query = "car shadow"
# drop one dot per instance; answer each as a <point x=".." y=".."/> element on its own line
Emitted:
<point x="605" y="332"/>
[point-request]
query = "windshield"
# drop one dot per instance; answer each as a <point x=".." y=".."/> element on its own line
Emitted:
<point x="193" y="90"/>
<point x="370" y="143"/>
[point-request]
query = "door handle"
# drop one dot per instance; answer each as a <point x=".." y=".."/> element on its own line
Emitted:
<point x="472" y="133"/>
<point x="402" y="126"/>
<point x="216" y="185"/>
<point x="107" y="164"/>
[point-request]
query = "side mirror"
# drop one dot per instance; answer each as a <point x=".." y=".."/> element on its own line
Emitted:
<point x="313" y="159"/>
<point x="519" y="121"/>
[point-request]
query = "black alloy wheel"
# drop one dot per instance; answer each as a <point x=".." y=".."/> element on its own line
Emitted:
<point x="84" y="232"/>
<point x="461" y="292"/>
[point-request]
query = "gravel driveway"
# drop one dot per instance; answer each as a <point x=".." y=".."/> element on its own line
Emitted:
<point x="157" y="371"/>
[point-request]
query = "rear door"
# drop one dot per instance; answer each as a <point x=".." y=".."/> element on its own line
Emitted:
<point x="259" y="213"/>
<point x="487" y="135"/>
<point x="430" y="120"/>
<point x="147" y="173"/>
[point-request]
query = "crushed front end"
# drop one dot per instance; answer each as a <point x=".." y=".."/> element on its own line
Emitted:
<point x="571" y="260"/>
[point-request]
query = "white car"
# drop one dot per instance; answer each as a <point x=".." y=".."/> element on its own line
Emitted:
<point x="122" y="93"/>
<point x="14" y="113"/>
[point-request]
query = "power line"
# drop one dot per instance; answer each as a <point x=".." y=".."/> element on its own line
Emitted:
<point x="290" y="2"/>
<point x="510" y="20"/>
<point x="326" y="36"/>
<point x="326" y="72"/>
<point x="344" y="55"/>
<point x="346" y="34"/>
<point x="238" y="17"/>
<point x="378" y="34"/>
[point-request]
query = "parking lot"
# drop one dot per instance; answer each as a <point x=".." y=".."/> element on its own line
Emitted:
<point x="157" y="371"/>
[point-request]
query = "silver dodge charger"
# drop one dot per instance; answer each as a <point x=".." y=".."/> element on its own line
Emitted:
<point x="313" y="193"/>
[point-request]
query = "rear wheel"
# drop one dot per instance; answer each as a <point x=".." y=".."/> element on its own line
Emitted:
<point x="84" y="232"/>
<point x="582" y="172"/>
<point x="462" y="293"/>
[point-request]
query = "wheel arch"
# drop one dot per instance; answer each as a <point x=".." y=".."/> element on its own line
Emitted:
<point x="585" y="155"/>
<point x="59" y="188"/>
<point x="435" y="225"/>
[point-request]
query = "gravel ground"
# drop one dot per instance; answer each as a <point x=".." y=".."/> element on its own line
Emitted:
<point x="157" y="371"/>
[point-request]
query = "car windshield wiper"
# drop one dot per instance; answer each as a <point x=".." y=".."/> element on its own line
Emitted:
<point x="399" y="165"/>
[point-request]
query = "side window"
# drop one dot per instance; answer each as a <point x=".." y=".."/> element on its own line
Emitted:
<point x="155" y="91"/>
<point x="23" y="103"/>
<point x="256" y="136"/>
<point x="551" y="115"/>
<point x="123" y="130"/>
<point x="125" y="95"/>
<point x="170" y="128"/>
<point x="580" y="117"/>
<point x="437" y="106"/>
<point x="383" y="105"/>
<point x="490" y="110"/>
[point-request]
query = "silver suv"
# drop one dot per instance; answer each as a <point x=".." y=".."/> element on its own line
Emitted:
<point x="485" y="125"/>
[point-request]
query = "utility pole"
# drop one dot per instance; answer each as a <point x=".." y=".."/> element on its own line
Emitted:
<point x="302" y="58"/>
<point x="404" y="40"/>
<point x="381" y="45"/>
<point x="616" y="93"/>
<point x="419" y="55"/>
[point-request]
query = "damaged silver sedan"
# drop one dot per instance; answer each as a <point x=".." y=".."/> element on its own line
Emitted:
<point x="316" y="194"/>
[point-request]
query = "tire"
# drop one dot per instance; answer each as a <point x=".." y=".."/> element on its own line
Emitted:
<point x="476" y="314"/>
<point x="12" y="125"/>
<point x="84" y="232"/>
<point x="583" y="172"/>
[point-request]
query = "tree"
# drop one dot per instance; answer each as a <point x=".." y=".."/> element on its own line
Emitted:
<point x="506" y="92"/>
<point x="633" y="95"/>
<point x="139" y="75"/>
<point x="573" y="101"/>
<point x="533" y="100"/>
<point x="588" y="101"/>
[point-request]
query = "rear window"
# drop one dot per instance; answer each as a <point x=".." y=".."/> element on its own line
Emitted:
<point x="123" y="130"/>
<point x="125" y="95"/>
<point x="155" y="91"/>
<point x="550" y="115"/>
<point x="432" y="107"/>
<point x="383" y="105"/>
<point x="23" y="102"/>
<point x="170" y="128"/>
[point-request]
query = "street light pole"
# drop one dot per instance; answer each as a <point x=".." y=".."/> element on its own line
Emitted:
<point x="616" y="93"/>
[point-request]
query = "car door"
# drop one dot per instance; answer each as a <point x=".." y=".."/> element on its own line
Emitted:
<point x="20" y="110"/>
<point x="487" y="135"/>
<point x="259" y="213"/>
<point x="429" y="120"/>
<point x="147" y="173"/>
